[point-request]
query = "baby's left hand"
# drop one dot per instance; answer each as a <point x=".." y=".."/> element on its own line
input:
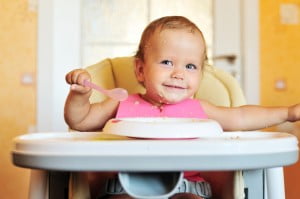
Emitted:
<point x="294" y="113"/>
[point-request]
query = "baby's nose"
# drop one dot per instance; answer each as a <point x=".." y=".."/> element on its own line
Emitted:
<point x="177" y="73"/>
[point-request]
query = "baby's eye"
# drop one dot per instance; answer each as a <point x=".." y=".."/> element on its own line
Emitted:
<point x="167" y="62"/>
<point x="191" y="67"/>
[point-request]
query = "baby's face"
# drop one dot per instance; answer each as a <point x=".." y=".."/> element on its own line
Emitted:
<point x="171" y="70"/>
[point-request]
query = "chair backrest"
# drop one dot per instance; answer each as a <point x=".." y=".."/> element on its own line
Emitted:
<point x="216" y="86"/>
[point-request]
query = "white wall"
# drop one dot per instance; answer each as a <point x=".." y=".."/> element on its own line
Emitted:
<point x="58" y="52"/>
<point x="250" y="50"/>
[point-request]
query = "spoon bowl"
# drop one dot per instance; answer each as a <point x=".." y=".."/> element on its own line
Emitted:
<point x="119" y="94"/>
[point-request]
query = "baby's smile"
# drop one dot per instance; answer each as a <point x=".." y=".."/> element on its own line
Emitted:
<point x="174" y="86"/>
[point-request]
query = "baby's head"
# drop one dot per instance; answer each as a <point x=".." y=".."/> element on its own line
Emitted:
<point x="169" y="22"/>
<point x="170" y="59"/>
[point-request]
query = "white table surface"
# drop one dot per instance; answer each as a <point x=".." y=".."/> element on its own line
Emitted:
<point x="91" y="151"/>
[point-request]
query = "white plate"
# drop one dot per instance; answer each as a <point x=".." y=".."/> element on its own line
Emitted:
<point x="163" y="128"/>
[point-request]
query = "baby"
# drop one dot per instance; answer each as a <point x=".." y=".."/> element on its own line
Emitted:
<point x="169" y="64"/>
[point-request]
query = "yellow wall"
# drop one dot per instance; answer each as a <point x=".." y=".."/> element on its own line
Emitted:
<point x="280" y="55"/>
<point x="18" y="37"/>
<point x="280" y="60"/>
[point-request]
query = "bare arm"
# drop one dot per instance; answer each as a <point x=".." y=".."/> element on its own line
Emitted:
<point x="251" y="117"/>
<point x="79" y="113"/>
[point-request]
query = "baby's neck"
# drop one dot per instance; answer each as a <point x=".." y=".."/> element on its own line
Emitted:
<point x="153" y="102"/>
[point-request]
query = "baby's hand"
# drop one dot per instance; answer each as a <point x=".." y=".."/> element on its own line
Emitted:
<point x="76" y="79"/>
<point x="294" y="113"/>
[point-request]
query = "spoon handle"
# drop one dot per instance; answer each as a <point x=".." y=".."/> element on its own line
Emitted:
<point x="119" y="94"/>
<point x="94" y="86"/>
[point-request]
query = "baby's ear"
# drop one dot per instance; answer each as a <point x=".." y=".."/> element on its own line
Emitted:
<point x="139" y="69"/>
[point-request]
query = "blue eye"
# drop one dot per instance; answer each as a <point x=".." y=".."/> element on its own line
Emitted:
<point x="191" y="67"/>
<point x="167" y="62"/>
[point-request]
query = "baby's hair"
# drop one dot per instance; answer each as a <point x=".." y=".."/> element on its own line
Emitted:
<point x="168" y="22"/>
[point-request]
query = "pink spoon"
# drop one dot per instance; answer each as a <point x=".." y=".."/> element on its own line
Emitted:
<point x="119" y="94"/>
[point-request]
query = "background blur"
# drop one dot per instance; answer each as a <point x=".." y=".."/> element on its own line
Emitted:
<point x="21" y="100"/>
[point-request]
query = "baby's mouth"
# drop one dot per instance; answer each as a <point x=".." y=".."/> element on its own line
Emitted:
<point x="172" y="86"/>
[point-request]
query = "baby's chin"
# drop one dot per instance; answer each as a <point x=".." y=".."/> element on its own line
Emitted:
<point x="169" y="100"/>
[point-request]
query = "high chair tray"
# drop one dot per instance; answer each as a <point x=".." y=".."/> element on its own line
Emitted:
<point x="163" y="128"/>
<point x="91" y="151"/>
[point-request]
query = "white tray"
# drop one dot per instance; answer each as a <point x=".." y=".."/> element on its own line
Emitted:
<point x="163" y="128"/>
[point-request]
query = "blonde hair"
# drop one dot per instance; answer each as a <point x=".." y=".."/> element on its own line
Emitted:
<point x="168" y="22"/>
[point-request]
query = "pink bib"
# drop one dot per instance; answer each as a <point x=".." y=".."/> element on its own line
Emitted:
<point x="135" y="106"/>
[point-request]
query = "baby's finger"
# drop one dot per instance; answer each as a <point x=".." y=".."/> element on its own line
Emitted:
<point x="71" y="77"/>
<point x="75" y="75"/>
<point x="82" y="77"/>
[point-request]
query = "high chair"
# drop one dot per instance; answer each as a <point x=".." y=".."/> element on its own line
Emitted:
<point x="217" y="87"/>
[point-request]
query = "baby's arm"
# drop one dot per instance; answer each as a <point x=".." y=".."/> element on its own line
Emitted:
<point x="251" y="117"/>
<point x="79" y="113"/>
<point x="294" y="113"/>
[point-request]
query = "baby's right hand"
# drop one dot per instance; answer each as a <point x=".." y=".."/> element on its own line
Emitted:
<point x="76" y="79"/>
